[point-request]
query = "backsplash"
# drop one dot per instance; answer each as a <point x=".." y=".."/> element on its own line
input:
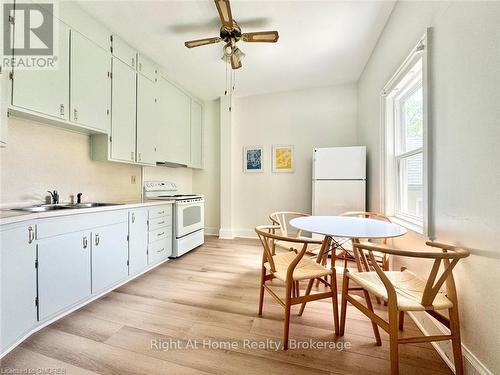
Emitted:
<point x="40" y="158"/>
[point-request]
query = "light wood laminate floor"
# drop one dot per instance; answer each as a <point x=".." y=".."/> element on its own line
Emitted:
<point x="208" y="298"/>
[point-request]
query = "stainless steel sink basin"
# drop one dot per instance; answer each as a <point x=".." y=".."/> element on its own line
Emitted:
<point x="90" y="205"/>
<point x="44" y="208"/>
<point x="52" y="207"/>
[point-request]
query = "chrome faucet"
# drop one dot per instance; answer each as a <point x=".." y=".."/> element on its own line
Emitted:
<point x="55" y="196"/>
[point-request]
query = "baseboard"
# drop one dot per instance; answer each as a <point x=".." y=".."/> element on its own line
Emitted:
<point x="211" y="231"/>
<point x="429" y="326"/>
<point x="226" y="234"/>
<point x="244" y="233"/>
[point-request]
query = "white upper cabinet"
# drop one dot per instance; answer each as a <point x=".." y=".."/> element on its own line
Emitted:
<point x="90" y="84"/>
<point x="146" y="67"/>
<point x="123" y="51"/>
<point x="147" y="121"/>
<point x="45" y="91"/>
<point x="123" y="108"/>
<point x="175" y="128"/>
<point x="196" y="135"/>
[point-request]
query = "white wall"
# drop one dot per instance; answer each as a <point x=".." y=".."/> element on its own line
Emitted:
<point x="311" y="118"/>
<point x="40" y="158"/>
<point x="207" y="180"/>
<point x="465" y="97"/>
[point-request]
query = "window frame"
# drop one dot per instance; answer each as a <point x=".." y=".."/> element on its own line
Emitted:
<point x="392" y="157"/>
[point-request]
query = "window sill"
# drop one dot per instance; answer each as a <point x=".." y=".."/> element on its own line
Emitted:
<point x="418" y="228"/>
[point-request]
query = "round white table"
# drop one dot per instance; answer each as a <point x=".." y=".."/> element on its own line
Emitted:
<point x="348" y="227"/>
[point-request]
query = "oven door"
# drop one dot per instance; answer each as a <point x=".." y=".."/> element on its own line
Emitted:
<point x="190" y="217"/>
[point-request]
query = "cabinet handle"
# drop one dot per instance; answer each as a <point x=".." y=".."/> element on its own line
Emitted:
<point x="161" y="212"/>
<point x="133" y="62"/>
<point x="31" y="234"/>
<point x="61" y="110"/>
<point x="159" y="251"/>
<point x="75" y="114"/>
<point x="133" y="217"/>
<point x="85" y="242"/>
<point x="97" y="239"/>
<point x="160" y="234"/>
<point x="140" y="66"/>
<point x="132" y="155"/>
<point x="161" y="222"/>
<point x="140" y="156"/>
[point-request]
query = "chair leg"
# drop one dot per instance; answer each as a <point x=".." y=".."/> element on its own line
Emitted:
<point x="308" y="291"/>
<point x="261" y="296"/>
<point x="456" y="341"/>
<point x="343" y="308"/>
<point x="374" y="325"/>
<point x="393" y="338"/>
<point x="286" y="327"/>
<point x="401" y="320"/>
<point x="335" y="303"/>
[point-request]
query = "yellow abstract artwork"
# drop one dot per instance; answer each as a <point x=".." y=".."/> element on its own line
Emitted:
<point x="283" y="159"/>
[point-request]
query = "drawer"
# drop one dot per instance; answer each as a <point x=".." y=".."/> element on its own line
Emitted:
<point x="159" y="250"/>
<point x="160" y="233"/>
<point x="159" y="211"/>
<point x="159" y="222"/>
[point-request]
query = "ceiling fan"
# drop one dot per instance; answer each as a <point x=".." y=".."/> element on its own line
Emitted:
<point x="230" y="33"/>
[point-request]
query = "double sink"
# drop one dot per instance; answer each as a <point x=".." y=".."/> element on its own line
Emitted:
<point x="63" y="206"/>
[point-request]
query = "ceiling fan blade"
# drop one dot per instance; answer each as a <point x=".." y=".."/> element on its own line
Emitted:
<point x="202" y="42"/>
<point x="224" y="9"/>
<point x="261" y="36"/>
<point x="235" y="61"/>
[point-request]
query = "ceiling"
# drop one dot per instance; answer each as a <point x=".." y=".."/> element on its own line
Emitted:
<point x="321" y="42"/>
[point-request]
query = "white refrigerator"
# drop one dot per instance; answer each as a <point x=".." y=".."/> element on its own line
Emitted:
<point x="338" y="180"/>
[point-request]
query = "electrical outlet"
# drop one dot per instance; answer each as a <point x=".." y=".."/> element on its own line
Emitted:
<point x="132" y="180"/>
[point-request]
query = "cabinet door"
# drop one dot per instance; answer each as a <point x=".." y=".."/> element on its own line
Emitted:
<point x="123" y="109"/>
<point x="196" y="135"/>
<point x="90" y="84"/>
<point x="109" y="256"/>
<point x="3" y="106"/>
<point x="146" y="67"/>
<point x="63" y="272"/>
<point x="18" y="284"/>
<point x="175" y="123"/>
<point x="146" y="121"/>
<point x="138" y="240"/>
<point x="124" y="52"/>
<point x="46" y="91"/>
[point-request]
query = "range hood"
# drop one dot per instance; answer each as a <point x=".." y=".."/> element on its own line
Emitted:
<point x="170" y="164"/>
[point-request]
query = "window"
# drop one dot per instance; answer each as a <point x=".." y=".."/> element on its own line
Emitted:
<point x="404" y="144"/>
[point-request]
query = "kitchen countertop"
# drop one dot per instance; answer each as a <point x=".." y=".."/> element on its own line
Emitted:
<point x="11" y="216"/>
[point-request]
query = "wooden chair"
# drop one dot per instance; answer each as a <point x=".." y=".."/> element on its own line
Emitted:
<point x="404" y="291"/>
<point x="290" y="268"/>
<point x="382" y="259"/>
<point x="282" y="219"/>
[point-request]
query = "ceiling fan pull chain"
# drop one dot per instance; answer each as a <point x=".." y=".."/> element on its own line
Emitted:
<point x="225" y="92"/>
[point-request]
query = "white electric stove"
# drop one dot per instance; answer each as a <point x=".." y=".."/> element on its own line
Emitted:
<point x="188" y="215"/>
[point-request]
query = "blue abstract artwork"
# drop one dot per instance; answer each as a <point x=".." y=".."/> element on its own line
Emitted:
<point x="253" y="159"/>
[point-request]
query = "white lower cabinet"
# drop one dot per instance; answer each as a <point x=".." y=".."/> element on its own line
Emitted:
<point x="64" y="275"/>
<point x="138" y="240"/>
<point x="109" y="256"/>
<point x="17" y="283"/>
<point x="62" y="262"/>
